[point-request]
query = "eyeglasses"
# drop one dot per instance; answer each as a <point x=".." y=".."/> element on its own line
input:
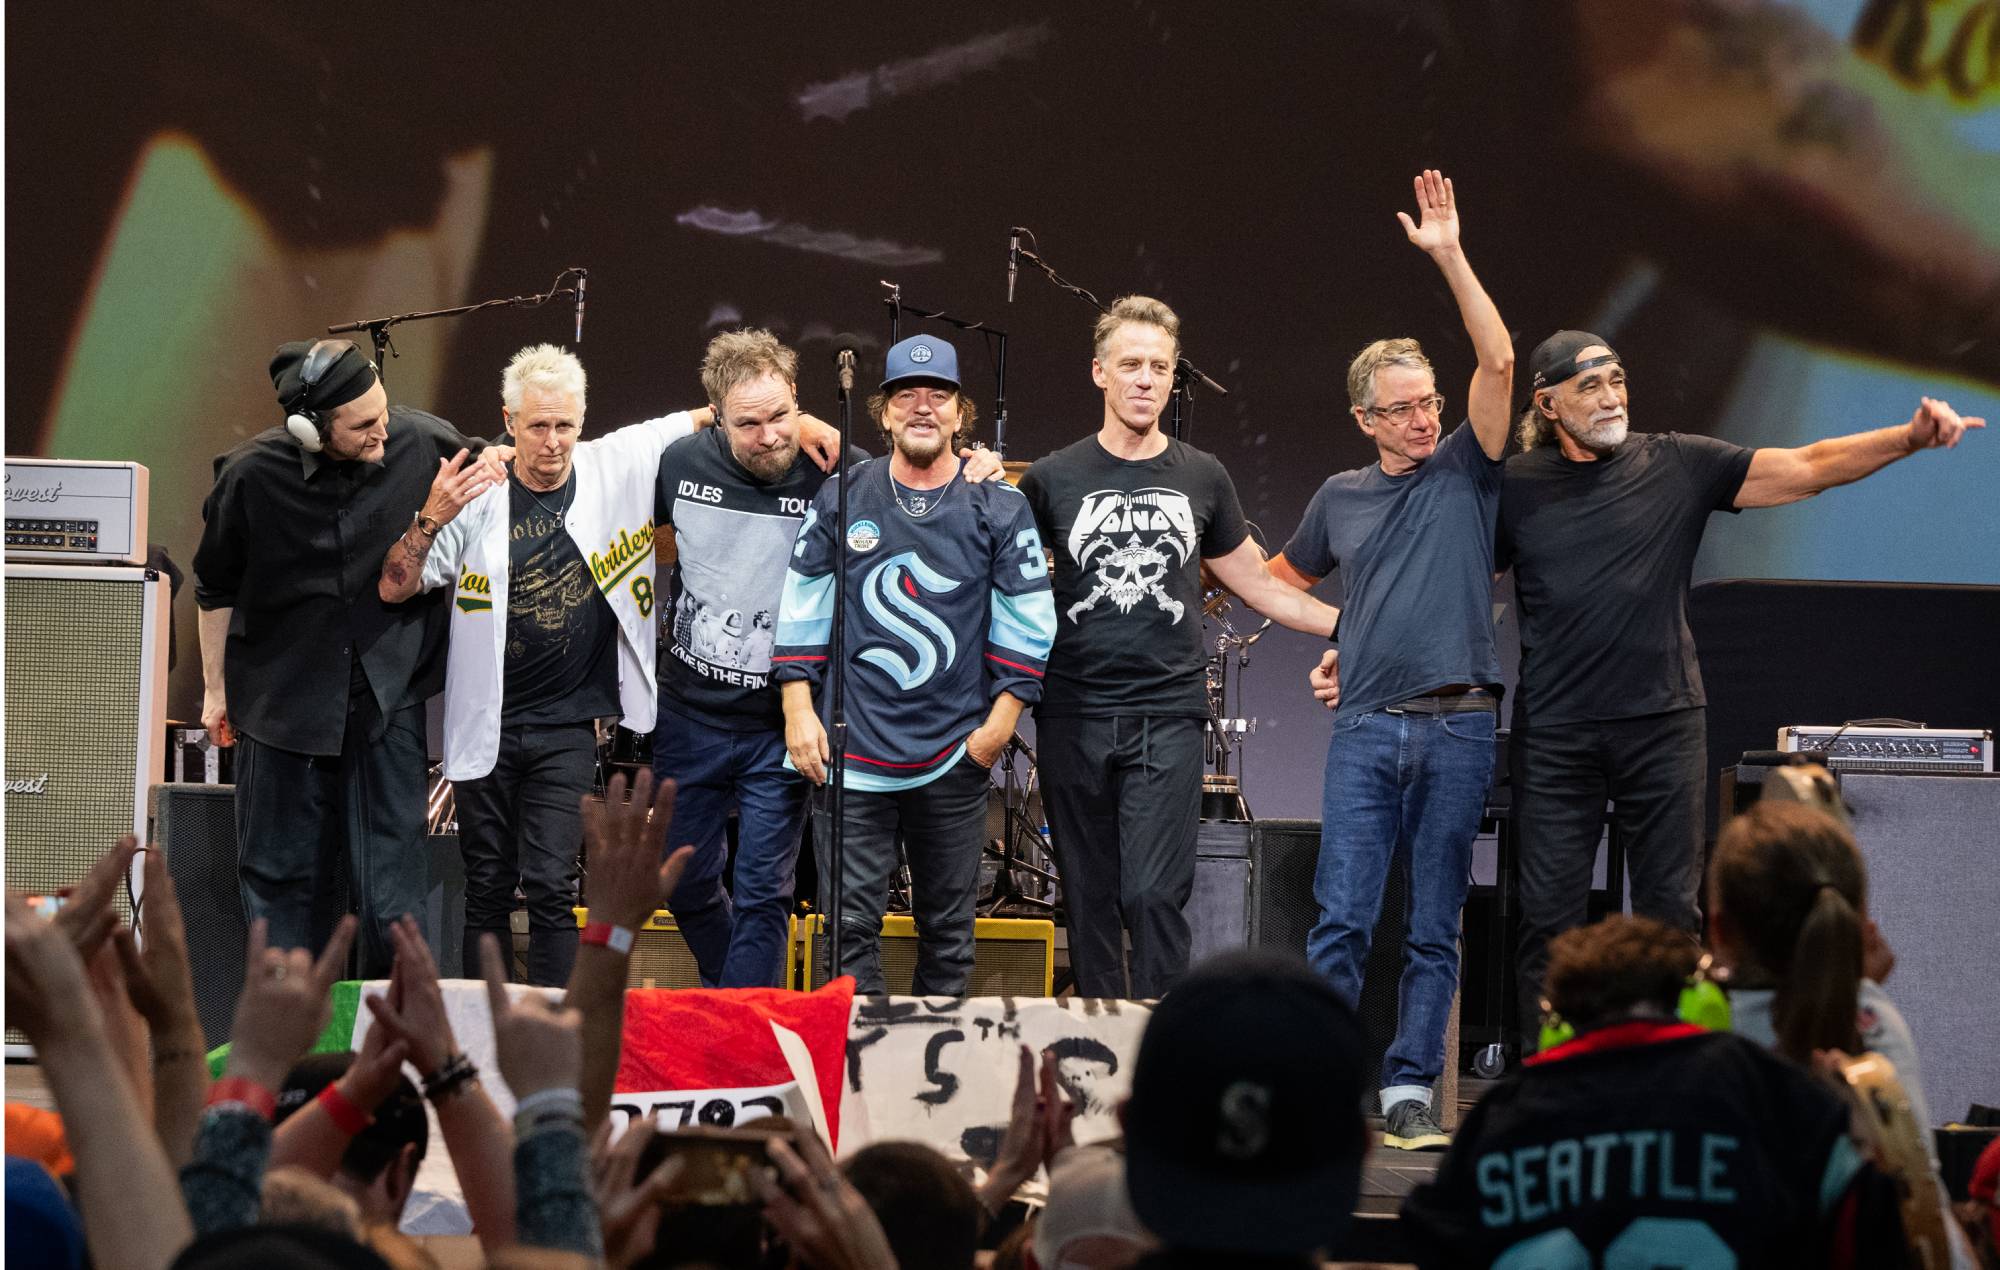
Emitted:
<point x="1400" y="413"/>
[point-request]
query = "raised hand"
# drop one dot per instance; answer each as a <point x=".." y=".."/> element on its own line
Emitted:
<point x="1438" y="231"/>
<point x="157" y="977"/>
<point x="48" y="995"/>
<point x="460" y="479"/>
<point x="285" y="1003"/>
<point x="623" y="840"/>
<point x="413" y="1012"/>
<point x="537" y="1045"/>
<point x="628" y="1207"/>
<point x="1936" y="425"/>
<point x="89" y="917"/>
<point x="1024" y="1146"/>
<point x="824" y="1219"/>
<point x="1325" y="678"/>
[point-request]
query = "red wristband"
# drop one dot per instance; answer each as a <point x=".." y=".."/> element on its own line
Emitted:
<point x="617" y="938"/>
<point x="248" y="1093"/>
<point x="346" y="1114"/>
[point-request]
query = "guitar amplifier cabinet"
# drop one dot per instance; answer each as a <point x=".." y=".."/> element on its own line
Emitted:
<point x="86" y="718"/>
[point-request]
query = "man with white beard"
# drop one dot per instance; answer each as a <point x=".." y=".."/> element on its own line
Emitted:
<point x="1601" y="529"/>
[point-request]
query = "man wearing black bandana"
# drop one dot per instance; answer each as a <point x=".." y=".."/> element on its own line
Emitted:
<point x="1601" y="529"/>
<point x="317" y="681"/>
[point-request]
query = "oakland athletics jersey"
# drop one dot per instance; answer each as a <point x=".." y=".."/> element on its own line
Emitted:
<point x="948" y="605"/>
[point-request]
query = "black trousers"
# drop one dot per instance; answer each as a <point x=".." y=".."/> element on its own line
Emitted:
<point x="297" y="813"/>
<point x="942" y="823"/>
<point x="521" y="825"/>
<point x="1652" y="770"/>
<point x="1123" y="798"/>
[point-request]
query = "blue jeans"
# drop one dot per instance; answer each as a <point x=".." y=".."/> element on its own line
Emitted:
<point x="1412" y="785"/>
<point x="737" y="935"/>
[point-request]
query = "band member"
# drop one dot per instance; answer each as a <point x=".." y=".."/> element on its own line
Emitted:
<point x="319" y="682"/>
<point x="1601" y="529"/>
<point x="1412" y="749"/>
<point x="948" y="622"/>
<point x="551" y="630"/>
<point x="728" y="503"/>
<point x="1132" y="516"/>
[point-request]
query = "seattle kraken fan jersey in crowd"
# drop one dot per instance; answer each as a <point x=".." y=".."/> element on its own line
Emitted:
<point x="733" y="533"/>
<point x="946" y="609"/>
<point x="1651" y="1144"/>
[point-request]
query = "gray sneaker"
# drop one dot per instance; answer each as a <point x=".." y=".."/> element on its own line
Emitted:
<point x="1409" y="1126"/>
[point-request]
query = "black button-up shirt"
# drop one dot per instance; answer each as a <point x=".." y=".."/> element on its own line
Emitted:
<point x="294" y="542"/>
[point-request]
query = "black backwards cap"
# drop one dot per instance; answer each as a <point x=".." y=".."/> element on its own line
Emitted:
<point x="350" y="375"/>
<point x="1243" y="1134"/>
<point x="1554" y="359"/>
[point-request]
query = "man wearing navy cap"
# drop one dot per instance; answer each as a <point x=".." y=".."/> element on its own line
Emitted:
<point x="948" y="623"/>
<point x="318" y="682"/>
<point x="1601" y="528"/>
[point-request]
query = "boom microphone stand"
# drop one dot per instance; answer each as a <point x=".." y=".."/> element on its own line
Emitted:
<point x="1186" y="373"/>
<point x="378" y="328"/>
<point x="836" y="654"/>
<point x="896" y="304"/>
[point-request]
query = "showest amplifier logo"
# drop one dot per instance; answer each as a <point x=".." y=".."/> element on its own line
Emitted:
<point x="37" y="785"/>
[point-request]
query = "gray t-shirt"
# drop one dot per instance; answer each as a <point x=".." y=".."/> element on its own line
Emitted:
<point x="1415" y="554"/>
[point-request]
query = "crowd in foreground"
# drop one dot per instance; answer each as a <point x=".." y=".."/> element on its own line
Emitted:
<point x="1634" y="1137"/>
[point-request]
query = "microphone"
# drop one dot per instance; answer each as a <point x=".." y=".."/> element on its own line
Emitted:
<point x="1013" y="259"/>
<point x="844" y="361"/>
<point x="582" y="275"/>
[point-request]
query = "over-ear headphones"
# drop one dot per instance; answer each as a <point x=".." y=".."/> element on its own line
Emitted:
<point x="307" y="426"/>
<point x="1702" y="1002"/>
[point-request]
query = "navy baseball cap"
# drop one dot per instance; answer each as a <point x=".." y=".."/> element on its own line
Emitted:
<point x="921" y="357"/>
<point x="1244" y="1131"/>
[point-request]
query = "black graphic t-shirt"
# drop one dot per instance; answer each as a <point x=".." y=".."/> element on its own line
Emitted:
<point x="1129" y="536"/>
<point x="562" y="638"/>
<point x="733" y="536"/>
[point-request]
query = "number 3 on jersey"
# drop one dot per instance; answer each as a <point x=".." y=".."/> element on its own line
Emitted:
<point x="1036" y="565"/>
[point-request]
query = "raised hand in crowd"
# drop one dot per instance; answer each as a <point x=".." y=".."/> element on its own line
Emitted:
<point x="160" y="984"/>
<point x="628" y="1206"/>
<point x="623" y="842"/>
<point x="285" y="1005"/>
<point x="90" y="915"/>
<point x="537" y="1046"/>
<point x="825" y="1220"/>
<point x="132" y="1213"/>
<point x="1038" y="1130"/>
<point x="313" y="1138"/>
<point x="476" y="1135"/>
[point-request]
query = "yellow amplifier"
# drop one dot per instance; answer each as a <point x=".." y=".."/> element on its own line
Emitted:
<point x="1011" y="957"/>
<point x="661" y="957"/>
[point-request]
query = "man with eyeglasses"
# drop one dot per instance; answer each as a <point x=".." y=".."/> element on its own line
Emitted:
<point x="1412" y="749"/>
<point x="1601" y="529"/>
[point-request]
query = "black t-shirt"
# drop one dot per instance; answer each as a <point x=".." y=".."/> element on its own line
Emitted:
<point x="562" y="638"/>
<point x="733" y="535"/>
<point x="1695" y="1151"/>
<point x="1602" y="555"/>
<point x="1129" y="536"/>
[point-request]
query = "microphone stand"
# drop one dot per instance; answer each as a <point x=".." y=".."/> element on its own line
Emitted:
<point x="837" y="668"/>
<point x="378" y="328"/>
<point x="896" y="304"/>
<point x="1186" y="373"/>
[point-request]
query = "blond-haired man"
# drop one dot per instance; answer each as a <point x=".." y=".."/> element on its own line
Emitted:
<point x="1132" y="515"/>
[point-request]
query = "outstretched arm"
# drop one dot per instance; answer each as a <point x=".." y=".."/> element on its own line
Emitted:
<point x="1488" y="400"/>
<point x="1785" y="476"/>
<point x="1249" y="575"/>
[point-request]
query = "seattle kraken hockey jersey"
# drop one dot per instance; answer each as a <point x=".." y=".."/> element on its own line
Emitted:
<point x="945" y="610"/>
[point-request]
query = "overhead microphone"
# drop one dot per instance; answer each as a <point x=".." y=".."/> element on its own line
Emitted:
<point x="582" y="275"/>
<point x="1013" y="259"/>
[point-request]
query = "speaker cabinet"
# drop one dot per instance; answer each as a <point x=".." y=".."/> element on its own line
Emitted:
<point x="196" y="824"/>
<point x="1011" y="957"/>
<point x="1253" y="885"/>
<point x="86" y="719"/>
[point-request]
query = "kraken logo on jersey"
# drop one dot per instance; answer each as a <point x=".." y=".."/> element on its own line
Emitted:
<point x="891" y="589"/>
